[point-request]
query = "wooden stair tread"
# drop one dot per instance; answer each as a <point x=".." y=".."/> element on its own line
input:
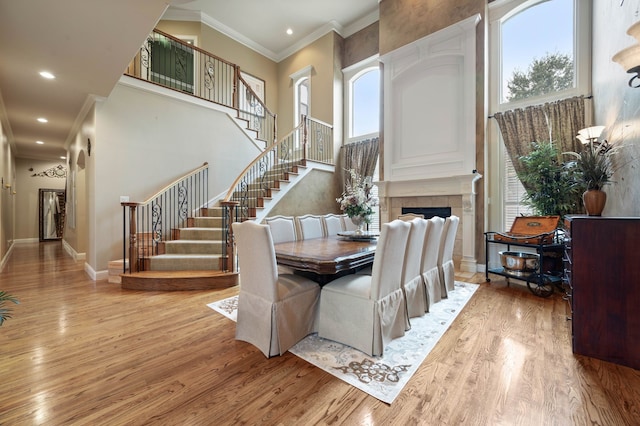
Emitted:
<point x="179" y="280"/>
<point x="178" y="274"/>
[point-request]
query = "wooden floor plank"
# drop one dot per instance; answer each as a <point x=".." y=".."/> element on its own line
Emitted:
<point x="90" y="353"/>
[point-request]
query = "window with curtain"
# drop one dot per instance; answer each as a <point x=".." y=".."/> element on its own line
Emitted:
<point x="538" y="54"/>
<point x="362" y="111"/>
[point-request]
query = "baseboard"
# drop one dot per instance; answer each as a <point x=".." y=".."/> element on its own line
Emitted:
<point x="27" y="240"/>
<point x="72" y="252"/>
<point x="5" y="258"/>
<point x="95" y="275"/>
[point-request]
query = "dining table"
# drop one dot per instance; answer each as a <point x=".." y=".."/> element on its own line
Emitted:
<point x="327" y="258"/>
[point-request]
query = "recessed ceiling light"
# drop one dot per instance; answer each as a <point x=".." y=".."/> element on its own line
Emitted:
<point x="47" y="74"/>
<point x="63" y="157"/>
<point x="40" y="142"/>
<point x="289" y="31"/>
<point x="43" y="120"/>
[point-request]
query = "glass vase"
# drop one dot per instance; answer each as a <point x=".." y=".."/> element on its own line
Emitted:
<point x="359" y="221"/>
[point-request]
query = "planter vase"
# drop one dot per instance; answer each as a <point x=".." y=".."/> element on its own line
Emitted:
<point x="594" y="201"/>
<point x="359" y="221"/>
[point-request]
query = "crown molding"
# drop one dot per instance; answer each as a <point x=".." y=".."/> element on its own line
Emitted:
<point x="175" y="14"/>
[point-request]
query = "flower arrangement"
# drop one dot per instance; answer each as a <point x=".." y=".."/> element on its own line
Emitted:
<point x="357" y="200"/>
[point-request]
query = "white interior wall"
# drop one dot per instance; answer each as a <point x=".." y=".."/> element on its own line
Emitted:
<point x="151" y="138"/>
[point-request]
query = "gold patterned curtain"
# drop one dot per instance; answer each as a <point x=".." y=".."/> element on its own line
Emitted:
<point x="554" y="121"/>
<point x="360" y="156"/>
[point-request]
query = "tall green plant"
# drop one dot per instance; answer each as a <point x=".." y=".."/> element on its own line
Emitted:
<point x="5" y="312"/>
<point x="550" y="184"/>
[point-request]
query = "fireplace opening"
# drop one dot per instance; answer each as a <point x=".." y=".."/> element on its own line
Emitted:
<point x="428" y="212"/>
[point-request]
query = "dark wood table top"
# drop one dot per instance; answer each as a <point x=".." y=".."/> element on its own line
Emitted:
<point x="328" y="255"/>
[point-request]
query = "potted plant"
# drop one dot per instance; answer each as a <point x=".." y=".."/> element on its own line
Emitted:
<point x="593" y="171"/>
<point x="4" y="312"/>
<point x="550" y="184"/>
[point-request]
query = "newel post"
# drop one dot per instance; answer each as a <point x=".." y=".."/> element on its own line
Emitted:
<point x="229" y="213"/>
<point x="133" y="241"/>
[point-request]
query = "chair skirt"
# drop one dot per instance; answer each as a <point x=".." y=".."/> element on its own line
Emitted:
<point x="416" y="296"/>
<point x="433" y="286"/>
<point x="447" y="278"/>
<point x="349" y="316"/>
<point x="289" y="320"/>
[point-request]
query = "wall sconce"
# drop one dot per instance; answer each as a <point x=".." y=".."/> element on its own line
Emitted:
<point x="591" y="136"/>
<point x="629" y="58"/>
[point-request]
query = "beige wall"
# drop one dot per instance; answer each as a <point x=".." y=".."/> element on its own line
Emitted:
<point x="312" y="195"/>
<point x="80" y="164"/>
<point x="617" y="106"/>
<point x="26" y="198"/>
<point x="404" y="21"/>
<point x="7" y="200"/>
<point x="321" y="56"/>
<point x="361" y="45"/>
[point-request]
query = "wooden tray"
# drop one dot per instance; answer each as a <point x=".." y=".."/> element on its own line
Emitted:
<point x="530" y="230"/>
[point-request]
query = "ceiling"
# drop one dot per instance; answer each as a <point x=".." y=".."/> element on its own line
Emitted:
<point x="87" y="44"/>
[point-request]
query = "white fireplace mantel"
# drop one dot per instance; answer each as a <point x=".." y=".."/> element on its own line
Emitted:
<point x="463" y="185"/>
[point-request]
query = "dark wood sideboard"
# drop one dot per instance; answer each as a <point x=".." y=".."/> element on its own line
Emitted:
<point x="602" y="273"/>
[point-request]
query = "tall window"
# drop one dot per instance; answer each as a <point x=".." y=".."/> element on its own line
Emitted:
<point x="362" y="111"/>
<point x="302" y="98"/>
<point x="539" y="53"/>
<point x="365" y="103"/>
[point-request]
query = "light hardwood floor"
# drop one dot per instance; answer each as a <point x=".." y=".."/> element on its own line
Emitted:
<point x="88" y="353"/>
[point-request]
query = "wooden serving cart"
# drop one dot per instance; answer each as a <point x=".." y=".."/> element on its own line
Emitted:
<point x="534" y="234"/>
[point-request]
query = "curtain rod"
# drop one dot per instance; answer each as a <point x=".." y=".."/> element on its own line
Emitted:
<point x="586" y="97"/>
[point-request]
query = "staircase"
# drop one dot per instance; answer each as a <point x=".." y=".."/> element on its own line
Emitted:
<point x="191" y="261"/>
<point x="194" y="259"/>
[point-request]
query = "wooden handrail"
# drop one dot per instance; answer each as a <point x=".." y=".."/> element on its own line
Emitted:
<point x="196" y="48"/>
<point x="175" y="182"/>
<point x="162" y="213"/>
<point x="257" y="160"/>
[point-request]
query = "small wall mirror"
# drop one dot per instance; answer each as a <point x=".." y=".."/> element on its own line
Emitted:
<point x="52" y="209"/>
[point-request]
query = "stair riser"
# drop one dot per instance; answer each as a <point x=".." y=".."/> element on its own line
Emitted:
<point x="187" y="247"/>
<point x="212" y="212"/>
<point x="185" y="264"/>
<point x="205" y="222"/>
<point x="199" y="234"/>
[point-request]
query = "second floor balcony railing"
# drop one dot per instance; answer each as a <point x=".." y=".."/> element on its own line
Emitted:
<point x="173" y="63"/>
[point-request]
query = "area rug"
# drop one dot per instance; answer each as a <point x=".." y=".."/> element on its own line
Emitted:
<point x="382" y="377"/>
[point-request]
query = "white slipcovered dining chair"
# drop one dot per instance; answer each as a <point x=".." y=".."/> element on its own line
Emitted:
<point x="283" y="228"/>
<point x="332" y="224"/>
<point x="408" y="217"/>
<point x="431" y="251"/>
<point x="445" y="259"/>
<point x="412" y="282"/>
<point x="366" y="312"/>
<point x="274" y="311"/>
<point x="310" y="226"/>
<point x="348" y="223"/>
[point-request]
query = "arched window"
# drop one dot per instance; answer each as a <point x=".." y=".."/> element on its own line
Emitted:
<point x="302" y="100"/>
<point x="362" y="110"/>
<point x="364" y="95"/>
<point x="539" y="52"/>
